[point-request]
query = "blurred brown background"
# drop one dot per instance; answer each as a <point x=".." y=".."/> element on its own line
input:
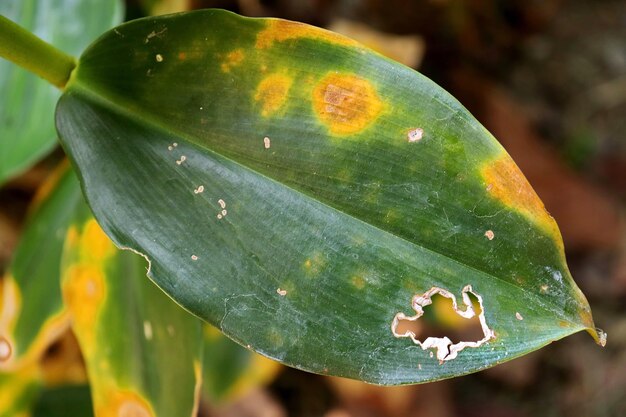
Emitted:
<point x="548" y="79"/>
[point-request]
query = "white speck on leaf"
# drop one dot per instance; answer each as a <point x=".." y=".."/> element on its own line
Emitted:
<point x="199" y="189"/>
<point x="266" y="142"/>
<point x="159" y="58"/>
<point x="489" y="234"/>
<point x="519" y="316"/>
<point x="182" y="159"/>
<point x="281" y="292"/>
<point x="194" y="258"/>
<point x="5" y="349"/>
<point x="415" y="135"/>
<point x="222" y="203"/>
<point x="147" y="330"/>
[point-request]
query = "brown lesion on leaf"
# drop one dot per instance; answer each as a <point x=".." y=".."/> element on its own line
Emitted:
<point x="408" y="326"/>
<point x="278" y="30"/>
<point x="272" y="93"/>
<point x="506" y="183"/>
<point x="345" y="103"/>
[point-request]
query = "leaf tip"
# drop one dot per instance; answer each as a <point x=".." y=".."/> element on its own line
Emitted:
<point x="598" y="335"/>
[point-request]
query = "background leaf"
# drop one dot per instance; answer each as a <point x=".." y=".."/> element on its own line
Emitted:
<point x="298" y="190"/>
<point x="64" y="401"/>
<point x="229" y="370"/>
<point x="32" y="314"/>
<point x="141" y="350"/>
<point x="19" y="390"/>
<point x="27" y="102"/>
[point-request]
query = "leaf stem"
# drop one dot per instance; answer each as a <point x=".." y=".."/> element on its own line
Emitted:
<point x="28" y="51"/>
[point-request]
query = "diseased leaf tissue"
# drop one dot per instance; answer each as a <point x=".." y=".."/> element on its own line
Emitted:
<point x="295" y="189"/>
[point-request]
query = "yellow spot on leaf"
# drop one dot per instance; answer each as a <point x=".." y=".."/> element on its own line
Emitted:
<point x="84" y="291"/>
<point x="233" y="59"/>
<point x="358" y="282"/>
<point x="346" y="104"/>
<point x="314" y="264"/>
<point x="124" y="404"/>
<point x="95" y="245"/>
<point x="278" y="30"/>
<point x="272" y="93"/>
<point x="506" y="183"/>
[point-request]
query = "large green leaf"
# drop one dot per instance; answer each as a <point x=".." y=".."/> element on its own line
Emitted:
<point x="143" y="352"/>
<point x="32" y="314"/>
<point x="297" y="190"/>
<point x="26" y="102"/>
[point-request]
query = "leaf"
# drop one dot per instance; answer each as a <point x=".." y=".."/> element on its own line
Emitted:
<point x="26" y="102"/>
<point x="141" y="349"/>
<point x="63" y="401"/>
<point x="19" y="390"/>
<point x="230" y="371"/>
<point x="32" y="314"/>
<point x="298" y="190"/>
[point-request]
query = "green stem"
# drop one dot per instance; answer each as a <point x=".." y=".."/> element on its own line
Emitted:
<point x="28" y="51"/>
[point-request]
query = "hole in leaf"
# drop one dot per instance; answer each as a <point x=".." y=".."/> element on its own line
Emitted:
<point x="440" y="320"/>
